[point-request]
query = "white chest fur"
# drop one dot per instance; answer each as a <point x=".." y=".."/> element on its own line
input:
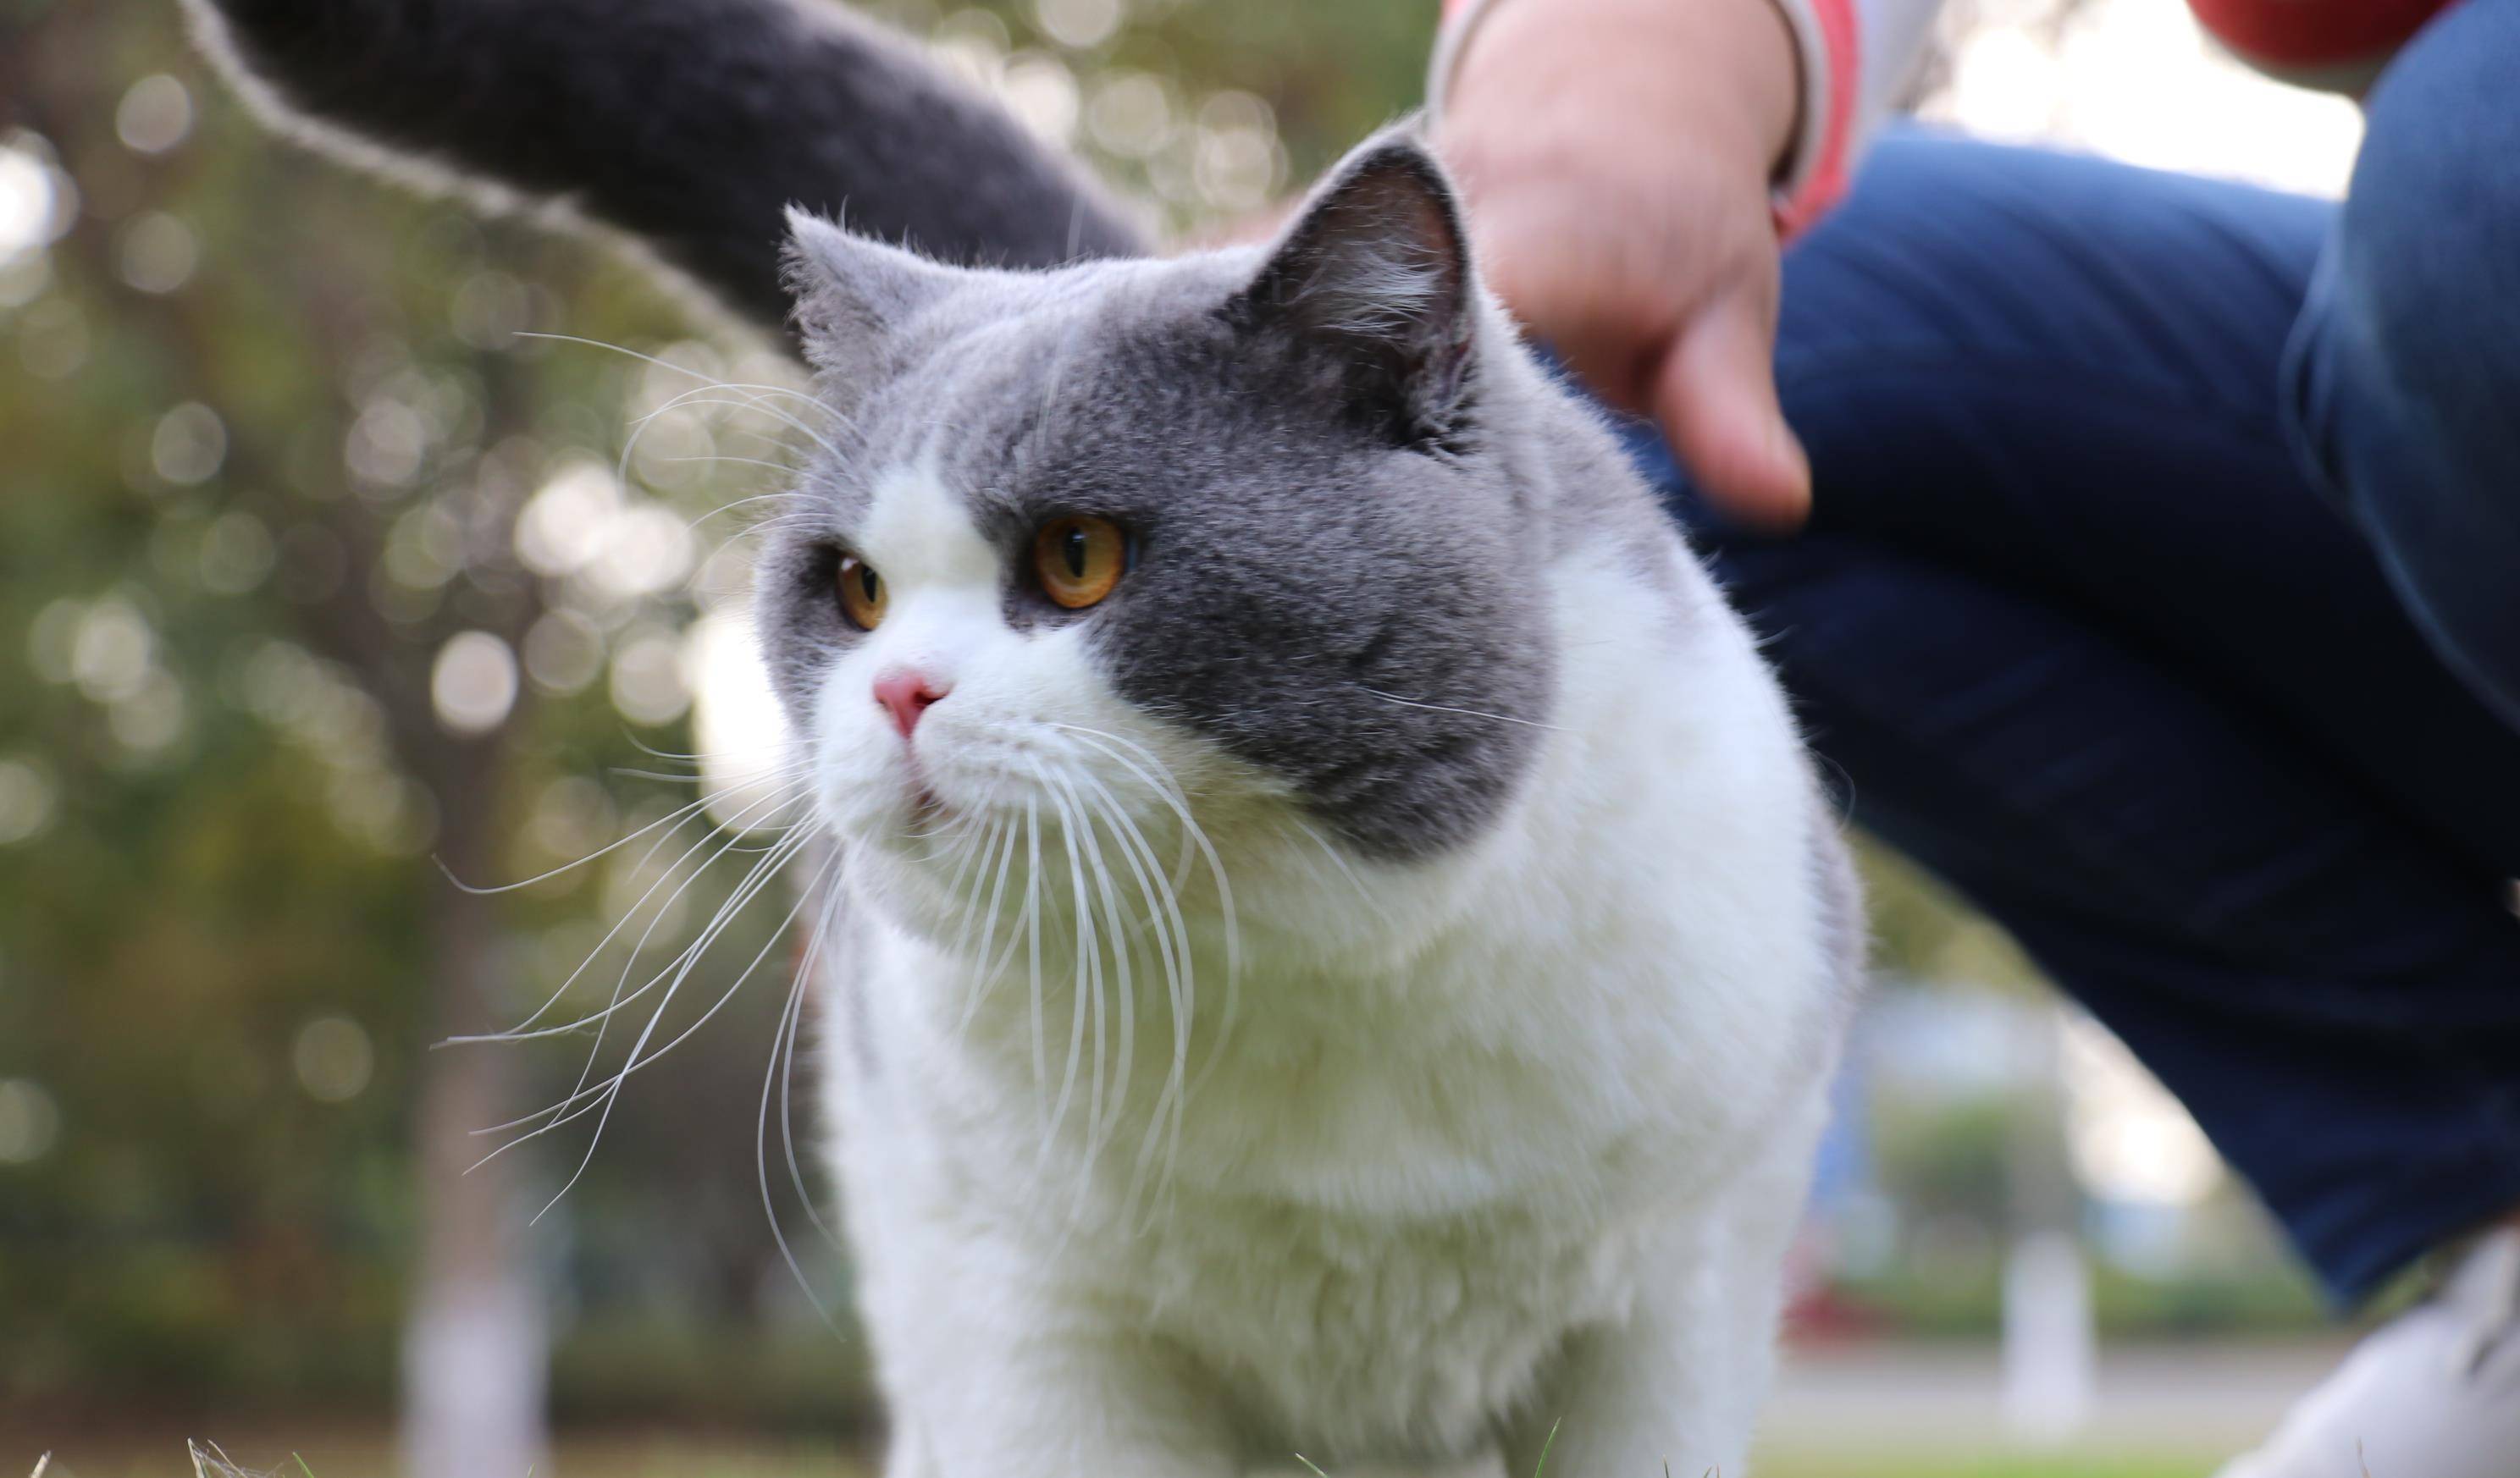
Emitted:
<point x="1467" y="1113"/>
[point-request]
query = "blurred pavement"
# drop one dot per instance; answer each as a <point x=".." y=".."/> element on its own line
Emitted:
<point x="2202" y="1397"/>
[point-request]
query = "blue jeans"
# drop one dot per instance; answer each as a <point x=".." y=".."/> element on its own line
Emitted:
<point x="2148" y="509"/>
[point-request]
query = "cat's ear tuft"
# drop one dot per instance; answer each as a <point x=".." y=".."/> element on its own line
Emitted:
<point x="851" y="295"/>
<point x="1375" y="270"/>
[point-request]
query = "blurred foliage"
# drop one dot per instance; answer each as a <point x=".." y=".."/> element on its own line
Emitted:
<point x="1922" y="931"/>
<point x="266" y="429"/>
<point x="1949" y="1161"/>
<point x="1941" y="1302"/>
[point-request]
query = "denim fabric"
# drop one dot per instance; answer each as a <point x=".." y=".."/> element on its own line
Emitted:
<point x="2403" y="377"/>
<point x="2084" y="637"/>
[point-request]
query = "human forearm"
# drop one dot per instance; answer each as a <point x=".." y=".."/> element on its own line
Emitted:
<point x="1738" y="57"/>
<point x="1847" y="62"/>
<point x="1618" y="158"/>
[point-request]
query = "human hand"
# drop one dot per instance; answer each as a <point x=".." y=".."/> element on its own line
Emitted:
<point x="1617" y="156"/>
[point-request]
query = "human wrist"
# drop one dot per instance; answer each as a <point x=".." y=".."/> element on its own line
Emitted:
<point x="1730" y="72"/>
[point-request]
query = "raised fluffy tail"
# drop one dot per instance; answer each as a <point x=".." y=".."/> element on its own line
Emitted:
<point x="690" y="124"/>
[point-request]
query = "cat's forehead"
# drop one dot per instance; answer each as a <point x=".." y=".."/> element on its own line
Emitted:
<point x="1064" y="387"/>
<point x="920" y="533"/>
<point x="997" y="334"/>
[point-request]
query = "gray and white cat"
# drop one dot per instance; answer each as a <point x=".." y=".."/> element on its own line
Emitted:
<point x="1340" y="949"/>
<point x="1335" y="947"/>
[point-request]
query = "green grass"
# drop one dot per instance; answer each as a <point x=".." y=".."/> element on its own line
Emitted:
<point x="1955" y="1464"/>
<point x="689" y="1456"/>
<point x="372" y="1455"/>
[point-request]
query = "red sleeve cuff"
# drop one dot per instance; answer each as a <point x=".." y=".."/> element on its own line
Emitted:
<point x="1821" y="183"/>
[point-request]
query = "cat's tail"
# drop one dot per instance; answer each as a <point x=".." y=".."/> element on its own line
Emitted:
<point x="690" y="124"/>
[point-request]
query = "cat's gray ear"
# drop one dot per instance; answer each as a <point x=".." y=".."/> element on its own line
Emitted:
<point x="851" y="294"/>
<point x="1374" y="276"/>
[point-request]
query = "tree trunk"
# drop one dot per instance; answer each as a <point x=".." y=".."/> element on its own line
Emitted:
<point x="477" y="1344"/>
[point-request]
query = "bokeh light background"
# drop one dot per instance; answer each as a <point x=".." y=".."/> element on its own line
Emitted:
<point x="326" y="582"/>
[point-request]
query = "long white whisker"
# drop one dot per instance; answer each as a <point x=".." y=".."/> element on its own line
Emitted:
<point x="976" y="867"/>
<point x="1172" y="945"/>
<point x="752" y="393"/>
<point x="1476" y="713"/>
<point x="1356" y="884"/>
<point x="609" y="1093"/>
<point x="786" y="1131"/>
<point x="1195" y="835"/>
<point x="583" y="1099"/>
<point x="752" y="397"/>
<point x="720" y="756"/>
<point x="1084" y="930"/>
<point x="783" y="1062"/>
<point x="662" y="364"/>
<point x="785" y="495"/>
<point x="749" y="397"/>
<point x="974" y="860"/>
<point x="770" y="1078"/>
<point x="1174" y="798"/>
<point x="708" y="382"/>
<point x="683" y="811"/>
<point x="989" y="962"/>
<point x="1171" y="931"/>
<point x="1123" y="985"/>
<point x="622" y="998"/>
<point x="692" y="398"/>
<point x="717" y="457"/>
<point x="946" y="836"/>
<point x="527" y="1031"/>
<point x="1032" y="941"/>
<point x="692" y="779"/>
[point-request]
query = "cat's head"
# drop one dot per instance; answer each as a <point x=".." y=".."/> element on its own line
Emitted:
<point x="1233" y="526"/>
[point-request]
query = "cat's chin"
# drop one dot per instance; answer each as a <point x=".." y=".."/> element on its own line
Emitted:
<point x="920" y="825"/>
<point x="898" y="807"/>
<point x="905" y="832"/>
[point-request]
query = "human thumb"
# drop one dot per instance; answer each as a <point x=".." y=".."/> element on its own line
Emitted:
<point x="1715" y="395"/>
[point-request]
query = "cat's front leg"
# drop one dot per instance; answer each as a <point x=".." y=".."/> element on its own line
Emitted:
<point x="1064" y="1403"/>
<point x="1678" y="1385"/>
<point x="1658" y="1393"/>
<point x="1487" y="1463"/>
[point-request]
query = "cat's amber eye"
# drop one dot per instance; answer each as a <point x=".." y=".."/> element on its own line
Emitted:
<point x="1079" y="559"/>
<point x="862" y="593"/>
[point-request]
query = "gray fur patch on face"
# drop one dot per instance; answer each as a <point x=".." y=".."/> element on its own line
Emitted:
<point x="1322" y="454"/>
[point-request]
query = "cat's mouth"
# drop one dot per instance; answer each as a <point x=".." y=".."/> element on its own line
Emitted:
<point x="924" y="803"/>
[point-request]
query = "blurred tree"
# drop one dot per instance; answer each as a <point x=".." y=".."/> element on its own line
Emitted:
<point x="272" y="431"/>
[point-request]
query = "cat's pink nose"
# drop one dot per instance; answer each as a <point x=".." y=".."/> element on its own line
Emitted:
<point x="906" y="692"/>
